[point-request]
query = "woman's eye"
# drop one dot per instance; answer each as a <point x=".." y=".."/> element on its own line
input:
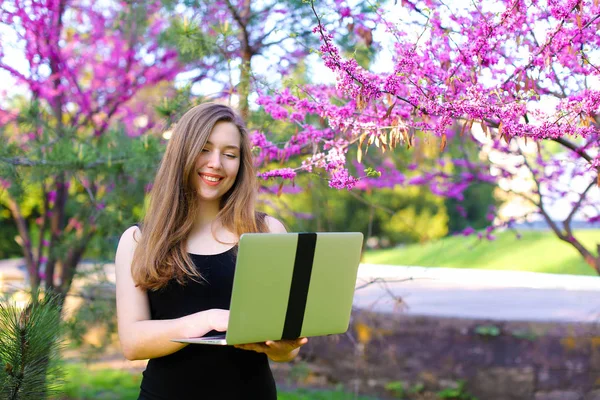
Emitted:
<point x="205" y="150"/>
<point x="230" y="156"/>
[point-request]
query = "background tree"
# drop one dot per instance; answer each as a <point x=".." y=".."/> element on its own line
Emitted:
<point x="71" y="150"/>
<point x="220" y="40"/>
<point x="515" y="75"/>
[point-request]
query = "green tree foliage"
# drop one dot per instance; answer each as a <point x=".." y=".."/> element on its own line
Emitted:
<point x="104" y="177"/>
<point x="394" y="215"/>
<point x="79" y="146"/>
<point x="9" y="248"/>
<point x="476" y="210"/>
<point x="219" y="41"/>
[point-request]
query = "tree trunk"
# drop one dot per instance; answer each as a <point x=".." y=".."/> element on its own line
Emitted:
<point x="244" y="86"/>
<point x="25" y="244"/>
<point x="246" y="62"/>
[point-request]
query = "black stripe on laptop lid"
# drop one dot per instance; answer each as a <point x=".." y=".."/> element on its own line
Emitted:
<point x="303" y="263"/>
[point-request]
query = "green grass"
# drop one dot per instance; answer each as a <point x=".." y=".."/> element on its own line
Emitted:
<point x="534" y="251"/>
<point x="81" y="383"/>
<point x="304" y="394"/>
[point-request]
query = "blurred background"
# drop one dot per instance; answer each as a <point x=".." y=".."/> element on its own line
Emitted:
<point x="479" y="273"/>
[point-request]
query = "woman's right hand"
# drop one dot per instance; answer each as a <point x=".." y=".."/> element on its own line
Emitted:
<point x="200" y="323"/>
<point x="218" y="319"/>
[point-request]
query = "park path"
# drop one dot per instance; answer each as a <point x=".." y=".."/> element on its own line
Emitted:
<point x="478" y="294"/>
<point x="441" y="292"/>
<point x="452" y="292"/>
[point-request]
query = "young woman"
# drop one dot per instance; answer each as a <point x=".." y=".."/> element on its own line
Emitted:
<point x="175" y="274"/>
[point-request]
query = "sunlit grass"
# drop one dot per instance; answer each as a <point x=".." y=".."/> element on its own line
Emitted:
<point x="535" y="251"/>
<point x="82" y="383"/>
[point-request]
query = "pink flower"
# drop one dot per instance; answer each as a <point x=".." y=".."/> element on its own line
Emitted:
<point x="285" y="173"/>
<point x="468" y="231"/>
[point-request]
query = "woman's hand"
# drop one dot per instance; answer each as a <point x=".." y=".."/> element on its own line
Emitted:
<point x="276" y="350"/>
<point x="218" y="319"/>
<point x="200" y="323"/>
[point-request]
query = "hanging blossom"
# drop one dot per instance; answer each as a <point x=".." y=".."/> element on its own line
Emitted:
<point x="474" y="74"/>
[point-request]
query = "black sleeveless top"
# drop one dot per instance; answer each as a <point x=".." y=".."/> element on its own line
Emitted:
<point x="204" y="371"/>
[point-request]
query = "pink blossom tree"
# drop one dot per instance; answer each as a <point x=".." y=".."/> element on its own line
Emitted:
<point x="69" y="158"/>
<point x="518" y="78"/>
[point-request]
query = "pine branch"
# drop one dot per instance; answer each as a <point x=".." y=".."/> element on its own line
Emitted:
<point x="29" y="344"/>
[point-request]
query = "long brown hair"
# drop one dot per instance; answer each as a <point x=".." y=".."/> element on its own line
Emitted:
<point x="161" y="253"/>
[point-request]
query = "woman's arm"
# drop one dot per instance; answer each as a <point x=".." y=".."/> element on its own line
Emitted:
<point x="142" y="338"/>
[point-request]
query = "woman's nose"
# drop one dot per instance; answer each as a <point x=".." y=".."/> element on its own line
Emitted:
<point x="214" y="160"/>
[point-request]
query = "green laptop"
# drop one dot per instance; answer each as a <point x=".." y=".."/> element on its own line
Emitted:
<point x="290" y="285"/>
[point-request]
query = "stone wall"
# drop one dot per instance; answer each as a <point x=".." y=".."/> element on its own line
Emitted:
<point x="498" y="360"/>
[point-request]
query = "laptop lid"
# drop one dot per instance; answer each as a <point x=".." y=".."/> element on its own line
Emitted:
<point x="292" y="285"/>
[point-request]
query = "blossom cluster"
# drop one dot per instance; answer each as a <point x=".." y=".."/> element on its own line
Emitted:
<point x="519" y="75"/>
<point x="77" y="62"/>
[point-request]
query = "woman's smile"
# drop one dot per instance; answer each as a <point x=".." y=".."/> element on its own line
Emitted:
<point x="211" y="179"/>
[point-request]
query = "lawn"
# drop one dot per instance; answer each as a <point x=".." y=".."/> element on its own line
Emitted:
<point x="535" y="251"/>
<point x="81" y="383"/>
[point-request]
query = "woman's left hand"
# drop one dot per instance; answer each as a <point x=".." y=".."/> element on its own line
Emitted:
<point x="276" y="350"/>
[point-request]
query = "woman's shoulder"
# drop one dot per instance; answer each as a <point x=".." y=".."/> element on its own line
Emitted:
<point x="127" y="244"/>
<point x="274" y="225"/>
<point x="131" y="235"/>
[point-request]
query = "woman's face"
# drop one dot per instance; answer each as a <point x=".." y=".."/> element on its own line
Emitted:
<point x="218" y="164"/>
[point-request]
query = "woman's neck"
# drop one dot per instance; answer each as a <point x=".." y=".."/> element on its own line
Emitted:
<point x="207" y="214"/>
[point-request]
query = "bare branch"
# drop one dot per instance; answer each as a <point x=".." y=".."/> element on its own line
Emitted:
<point x="71" y="261"/>
<point x="572" y="146"/>
<point x="243" y="22"/>
<point x="25" y="239"/>
<point x="303" y="35"/>
<point x="523" y="196"/>
<point x="235" y="14"/>
<point x="43" y="227"/>
<point x="383" y="280"/>
<point x="567" y="221"/>
<point x="88" y="190"/>
<point x="540" y="204"/>
<point x="374" y="205"/>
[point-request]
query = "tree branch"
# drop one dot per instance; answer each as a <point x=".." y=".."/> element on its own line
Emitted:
<point x="70" y="262"/>
<point x="572" y="146"/>
<point x="302" y="35"/>
<point x="567" y="222"/>
<point x="42" y="228"/>
<point x="351" y="75"/>
<point x="19" y="161"/>
<point x="540" y="205"/>
<point x="567" y="236"/>
<point x="25" y="240"/>
<point x="57" y="224"/>
<point x="558" y="29"/>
